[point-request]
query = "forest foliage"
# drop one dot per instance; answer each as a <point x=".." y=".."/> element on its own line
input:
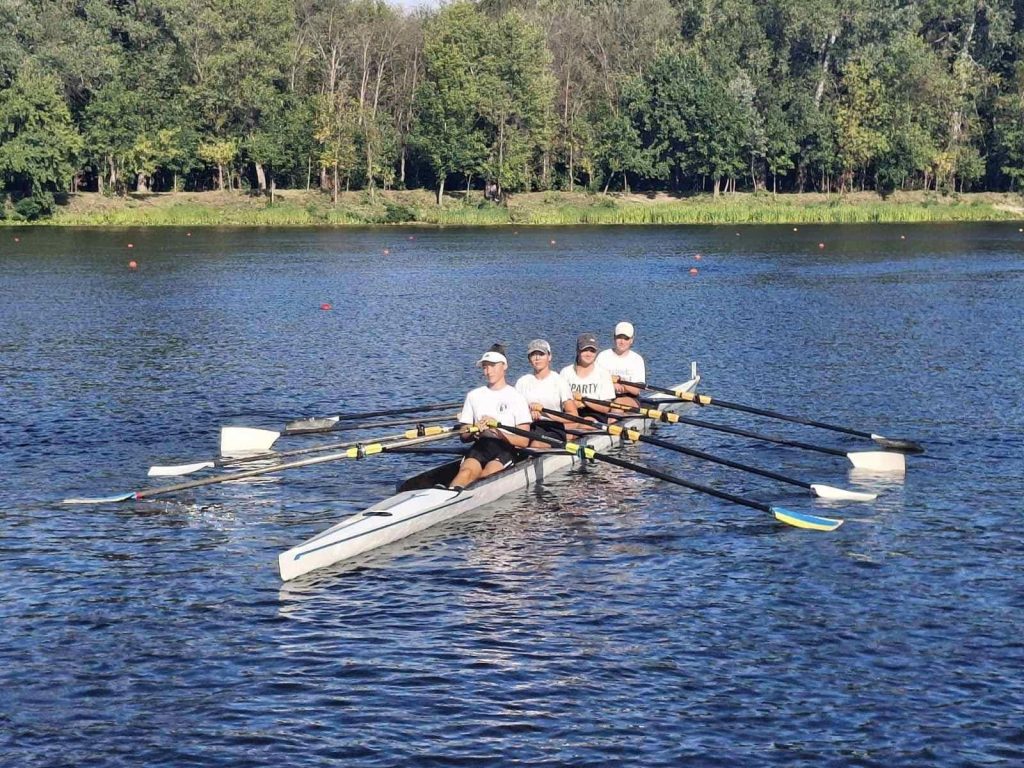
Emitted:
<point x="684" y="96"/>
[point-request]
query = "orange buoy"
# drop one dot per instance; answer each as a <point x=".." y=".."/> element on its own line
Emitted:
<point x="325" y="305"/>
<point x="693" y="270"/>
<point x="133" y="264"/>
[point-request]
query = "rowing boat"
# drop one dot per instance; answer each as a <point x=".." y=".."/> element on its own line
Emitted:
<point x="419" y="505"/>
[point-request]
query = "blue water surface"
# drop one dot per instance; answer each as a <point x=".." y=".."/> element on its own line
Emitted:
<point x="605" y="618"/>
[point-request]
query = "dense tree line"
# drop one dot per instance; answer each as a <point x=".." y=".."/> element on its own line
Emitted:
<point x="679" y="95"/>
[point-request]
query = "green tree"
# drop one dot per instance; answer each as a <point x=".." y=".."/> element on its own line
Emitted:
<point x="39" y="145"/>
<point x="448" y="132"/>
<point x="220" y="153"/>
<point x="336" y="132"/>
<point x="515" y="91"/>
<point x="860" y="121"/>
<point x="618" y="150"/>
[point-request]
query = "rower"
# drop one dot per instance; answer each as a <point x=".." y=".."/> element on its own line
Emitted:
<point x="623" y="363"/>
<point x="545" y="389"/>
<point x="587" y="379"/>
<point x="493" y="449"/>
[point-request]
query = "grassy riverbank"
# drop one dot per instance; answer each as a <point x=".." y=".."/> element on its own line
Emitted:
<point x="302" y="208"/>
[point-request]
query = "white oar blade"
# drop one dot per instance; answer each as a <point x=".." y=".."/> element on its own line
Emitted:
<point x="238" y="441"/>
<point x="179" y="469"/>
<point x="102" y="499"/>
<point x="804" y="520"/>
<point x="879" y="461"/>
<point x="840" y="494"/>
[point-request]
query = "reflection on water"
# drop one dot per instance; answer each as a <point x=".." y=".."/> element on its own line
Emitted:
<point x="605" y="617"/>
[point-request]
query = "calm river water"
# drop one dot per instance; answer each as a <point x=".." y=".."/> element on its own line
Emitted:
<point x="598" y="620"/>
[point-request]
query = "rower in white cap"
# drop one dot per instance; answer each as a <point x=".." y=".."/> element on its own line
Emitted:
<point x="493" y="448"/>
<point x="545" y="389"/>
<point x="623" y="363"/>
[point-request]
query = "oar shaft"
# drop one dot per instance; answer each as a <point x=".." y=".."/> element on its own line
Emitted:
<point x="699" y="399"/>
<point x="637" y="436"/>
<point x="297" y="430"/>
<point x="352" y="453"/>
<point x="759" y="436"/>
<point x="393" y="423"/>
<point x="590" y="453"/>
<point x="674" y="418"/>
<point x="329" y="446"/>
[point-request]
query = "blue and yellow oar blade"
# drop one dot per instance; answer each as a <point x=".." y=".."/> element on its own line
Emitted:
<point x="804" y="520"/>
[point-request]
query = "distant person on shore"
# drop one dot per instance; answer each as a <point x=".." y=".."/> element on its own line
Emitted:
<point x="545" y="389"/>
<point x="623" y="363"/>
<point x="493" y="449"/>
<point x="587" y="379"/>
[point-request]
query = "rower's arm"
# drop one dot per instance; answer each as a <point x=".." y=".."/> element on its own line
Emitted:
<point x="517" y="441"/>
<point x="622" y="389"/>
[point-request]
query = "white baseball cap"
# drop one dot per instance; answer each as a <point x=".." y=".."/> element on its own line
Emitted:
<point x="490" y="356"/>
<point x="624" y="329"/>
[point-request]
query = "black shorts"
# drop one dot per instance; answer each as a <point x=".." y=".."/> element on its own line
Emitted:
<point x="553" y="429"/>
<point x="488" y="449"/>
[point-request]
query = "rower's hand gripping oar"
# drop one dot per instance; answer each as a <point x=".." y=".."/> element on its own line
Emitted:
<point x="355" y="452"/>
<point x="817" y="489"/>
<point x="872" y="461"/>
<point x="176" y="470"/>
<point x="893" y="444"/>
<point x="241" y="440"/>
<point x="787" y="516"/>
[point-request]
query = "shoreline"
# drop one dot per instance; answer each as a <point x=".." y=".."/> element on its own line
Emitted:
<point x="301" y="208"/>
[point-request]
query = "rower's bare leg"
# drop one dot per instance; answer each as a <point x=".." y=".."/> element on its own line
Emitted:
<point x="492" y="467"/>
<point x="469" y="472"/>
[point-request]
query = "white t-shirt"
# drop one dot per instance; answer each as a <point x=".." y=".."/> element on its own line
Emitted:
<point x="598" y="385"/>
<point x="629" y="366"/>
<point x="506" y="405"/>
<point x="551" y="391"/>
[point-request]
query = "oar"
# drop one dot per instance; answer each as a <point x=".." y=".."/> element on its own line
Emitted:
<point x="874" y="461"/>
<point x="175" y="470"/>
<point x="356" y="452"/>
<point x="816" y="489"/>
<point x="241" y="440"/>
<point x="787" y="516"/>
<point x="893" y="444"/>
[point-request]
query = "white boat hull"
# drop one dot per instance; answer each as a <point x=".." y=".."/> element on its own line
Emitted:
<point x="412" y="511"/>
